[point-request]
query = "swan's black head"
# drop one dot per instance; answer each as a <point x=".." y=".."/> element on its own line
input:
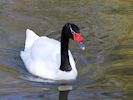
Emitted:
<point x="69" y="31"/>
<point x="72" y="31"/>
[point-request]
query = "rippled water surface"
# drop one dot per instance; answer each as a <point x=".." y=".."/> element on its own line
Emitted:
<point x="105" y="67"/>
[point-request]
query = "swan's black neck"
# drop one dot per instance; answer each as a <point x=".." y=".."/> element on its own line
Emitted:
<point x="65" y="64"/>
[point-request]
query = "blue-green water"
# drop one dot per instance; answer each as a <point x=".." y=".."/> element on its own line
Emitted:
<point x="105" y="67"/>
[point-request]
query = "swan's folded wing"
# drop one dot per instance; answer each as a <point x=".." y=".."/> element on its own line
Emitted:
<point x="31" y="37"/>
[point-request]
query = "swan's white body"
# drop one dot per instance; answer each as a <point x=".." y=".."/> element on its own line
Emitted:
<point x="42" y="58"/>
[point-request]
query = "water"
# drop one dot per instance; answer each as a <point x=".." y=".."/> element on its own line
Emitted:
<point x="105" y="67"/>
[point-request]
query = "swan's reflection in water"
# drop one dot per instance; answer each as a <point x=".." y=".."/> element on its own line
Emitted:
<point x="64" y="87"/>
<point x="64" y="91"/>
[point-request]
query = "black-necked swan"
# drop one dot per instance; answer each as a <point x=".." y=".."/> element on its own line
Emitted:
<point x="49" y="58"/>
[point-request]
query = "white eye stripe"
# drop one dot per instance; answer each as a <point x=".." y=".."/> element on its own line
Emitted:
<point x="72" y="31"/>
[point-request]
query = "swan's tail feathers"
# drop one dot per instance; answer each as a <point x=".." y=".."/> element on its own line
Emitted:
<point x="31" y="37"/>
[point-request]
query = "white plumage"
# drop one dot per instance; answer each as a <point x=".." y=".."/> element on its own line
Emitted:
<point x="41" y="57"/>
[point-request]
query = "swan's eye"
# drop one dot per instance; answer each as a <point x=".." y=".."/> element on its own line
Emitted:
<point x="78" y="37"/>
<point x="72" y="31"/>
